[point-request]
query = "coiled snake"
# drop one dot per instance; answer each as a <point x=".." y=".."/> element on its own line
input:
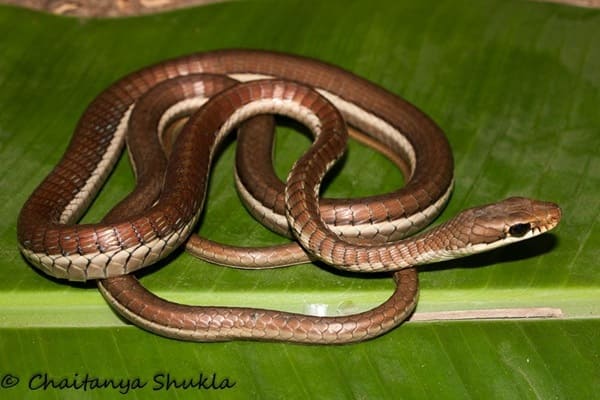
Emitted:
<point x="363" y="235"/>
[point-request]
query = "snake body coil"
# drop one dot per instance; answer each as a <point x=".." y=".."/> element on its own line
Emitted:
<point x="362" y="235"/>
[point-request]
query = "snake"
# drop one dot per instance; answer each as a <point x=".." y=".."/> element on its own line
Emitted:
<point x="367" y="235"/>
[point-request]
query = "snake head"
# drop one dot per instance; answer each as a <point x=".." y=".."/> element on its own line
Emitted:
<point x="510" y="220"/>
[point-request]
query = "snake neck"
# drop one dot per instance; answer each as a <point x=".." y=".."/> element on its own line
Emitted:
<point x="472" y="231"/>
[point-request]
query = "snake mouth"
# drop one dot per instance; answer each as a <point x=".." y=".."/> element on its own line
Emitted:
<point x="548" y="215"/>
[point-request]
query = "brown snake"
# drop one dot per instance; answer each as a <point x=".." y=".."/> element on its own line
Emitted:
<point x="349" y="235"/>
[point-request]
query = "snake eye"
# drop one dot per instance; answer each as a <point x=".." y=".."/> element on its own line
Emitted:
<point x="519" y="230"/>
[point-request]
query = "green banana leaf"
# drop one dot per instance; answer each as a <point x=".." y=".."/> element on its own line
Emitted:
<point x="514" y="84"/>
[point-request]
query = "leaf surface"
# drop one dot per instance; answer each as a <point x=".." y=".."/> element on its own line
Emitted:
<point x="514" y="85"/>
